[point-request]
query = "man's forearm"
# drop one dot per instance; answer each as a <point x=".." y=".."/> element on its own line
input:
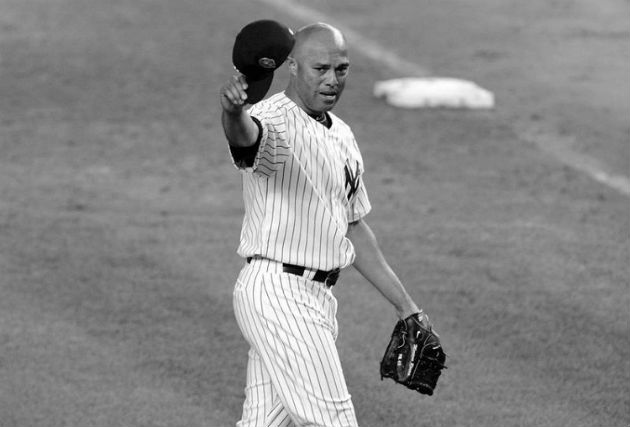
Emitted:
<point x="371" y="263"/>
<point x="240" y="129"/>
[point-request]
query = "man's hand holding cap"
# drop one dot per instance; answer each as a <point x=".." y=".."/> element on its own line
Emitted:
<point x="259" y="49"/>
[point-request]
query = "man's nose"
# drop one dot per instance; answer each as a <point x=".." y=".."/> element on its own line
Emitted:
<point x="331" y="78"/>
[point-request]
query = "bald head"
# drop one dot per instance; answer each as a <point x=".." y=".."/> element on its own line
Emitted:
<point x="319" y="66"/>
<point x="317" y="35"/>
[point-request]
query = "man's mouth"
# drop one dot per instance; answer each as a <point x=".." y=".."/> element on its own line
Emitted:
<point x="329" y="95"/>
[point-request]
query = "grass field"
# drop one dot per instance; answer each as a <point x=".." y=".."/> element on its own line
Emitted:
<point x="120" y="213"/>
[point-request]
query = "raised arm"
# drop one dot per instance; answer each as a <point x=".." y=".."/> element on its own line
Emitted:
<point x="240" y="129"/>
<point x="371" y="263"/>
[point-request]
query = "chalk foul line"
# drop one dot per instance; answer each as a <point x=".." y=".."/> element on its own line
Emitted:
<point x="560" y="148"/>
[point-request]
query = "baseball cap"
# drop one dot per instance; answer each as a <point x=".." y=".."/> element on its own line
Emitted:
<point x="259" y="49"/>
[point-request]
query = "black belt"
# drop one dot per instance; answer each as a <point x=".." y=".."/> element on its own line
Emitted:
<point x="327" y="277"/>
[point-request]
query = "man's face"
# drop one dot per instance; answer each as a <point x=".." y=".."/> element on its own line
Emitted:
<point x="320" y="76"/>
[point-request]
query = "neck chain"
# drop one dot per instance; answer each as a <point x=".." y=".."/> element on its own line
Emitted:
<point x="322" y="118"/>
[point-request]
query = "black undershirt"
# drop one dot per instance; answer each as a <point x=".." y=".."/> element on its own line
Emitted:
<point x="245" y="156"/>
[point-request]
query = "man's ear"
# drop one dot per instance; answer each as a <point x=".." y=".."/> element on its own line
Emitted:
<point x="292" y="64"/>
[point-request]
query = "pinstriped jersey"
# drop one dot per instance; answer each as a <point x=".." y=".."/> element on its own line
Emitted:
<point x="305" y="185"/>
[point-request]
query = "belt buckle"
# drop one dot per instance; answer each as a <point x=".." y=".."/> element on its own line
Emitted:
<point x="332" y="277"/>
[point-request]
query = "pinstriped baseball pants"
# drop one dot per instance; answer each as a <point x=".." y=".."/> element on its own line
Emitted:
<point x="294" y="376"/>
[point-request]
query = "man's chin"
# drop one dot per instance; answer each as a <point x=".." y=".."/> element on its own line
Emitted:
<point x="328" y="105"/>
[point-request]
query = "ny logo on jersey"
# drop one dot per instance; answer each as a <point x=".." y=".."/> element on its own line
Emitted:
<point x="352" y="179"/>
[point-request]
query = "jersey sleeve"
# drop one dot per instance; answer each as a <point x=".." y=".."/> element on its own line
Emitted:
<point x="271" y="149"/>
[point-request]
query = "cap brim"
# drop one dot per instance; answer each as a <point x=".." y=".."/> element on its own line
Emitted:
<point x="257" y="88"/>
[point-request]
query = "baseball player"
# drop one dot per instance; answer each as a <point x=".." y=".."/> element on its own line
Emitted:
<point x="305" y="207"/>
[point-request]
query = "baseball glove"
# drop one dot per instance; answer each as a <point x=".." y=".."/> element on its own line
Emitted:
<point x="414" y="356"/>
